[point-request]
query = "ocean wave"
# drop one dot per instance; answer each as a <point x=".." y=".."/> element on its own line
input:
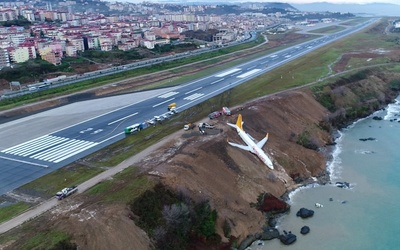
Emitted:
<point x="334" y="166"/>
<point x="364" y="152"/>
<point x="393" y="111"/>
<point x="297" y="190"/>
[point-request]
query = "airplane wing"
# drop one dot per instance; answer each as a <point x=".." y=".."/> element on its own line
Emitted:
<point x="232" y="125"/>
<point x="241" y="146"/>
<point x="261" y="143"/>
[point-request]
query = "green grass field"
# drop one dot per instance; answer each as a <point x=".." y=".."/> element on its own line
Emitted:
<point x="51" y="183"/>
<point x="47" y="240"/>
<point x="11" y="211"/>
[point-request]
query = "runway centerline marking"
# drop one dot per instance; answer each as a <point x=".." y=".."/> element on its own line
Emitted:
<point x="161" y="103"/>
<point x="123" y="118"/>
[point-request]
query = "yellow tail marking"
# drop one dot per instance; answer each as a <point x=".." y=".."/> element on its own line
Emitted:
<point x="239" y="122"/>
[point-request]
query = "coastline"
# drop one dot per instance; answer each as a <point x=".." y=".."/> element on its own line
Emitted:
<point x="333" y="166"/>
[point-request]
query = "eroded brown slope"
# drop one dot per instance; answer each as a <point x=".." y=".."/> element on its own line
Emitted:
<point x="231" y="178"/>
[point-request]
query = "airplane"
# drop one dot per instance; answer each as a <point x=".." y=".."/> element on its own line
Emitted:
<point x="255" y="148"/>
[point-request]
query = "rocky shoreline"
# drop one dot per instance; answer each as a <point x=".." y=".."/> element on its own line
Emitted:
<point x="269" y="231"/>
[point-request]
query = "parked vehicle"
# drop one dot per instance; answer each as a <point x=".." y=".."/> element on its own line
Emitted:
<point x="226" y="111"/>
<point x="171" y="106"/>
<point x="65" y="192"/>
<point x="189" y="126"/>
<point x="134" y="128"/>
<point x="206" y="125"/>
<point x="215" y="114"/>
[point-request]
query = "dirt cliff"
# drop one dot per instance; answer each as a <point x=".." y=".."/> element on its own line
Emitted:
<point x="231" y="178"/>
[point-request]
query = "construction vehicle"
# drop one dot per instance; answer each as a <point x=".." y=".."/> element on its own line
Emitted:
<point x="134" y="128"/>
<point x="65" y="192"/>
<point x="171" y="106"/>
<point x="205" y="125"/>
<point x="189" y="126"/>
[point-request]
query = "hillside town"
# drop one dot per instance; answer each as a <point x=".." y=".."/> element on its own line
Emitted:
<point x="54" y="30"/>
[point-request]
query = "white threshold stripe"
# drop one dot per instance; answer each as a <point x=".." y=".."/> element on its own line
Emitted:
<point x="161" y="103"/>
<point x="50" y="151"/>
<point x="169" y="94"/>
<point x="26" y="145"/>
<point x="74" y="153"/>
<point x="194" y="96"/>
<point x="63" y="153"/>
<point x="3" y="151"/>
<point x="123" y="118"/>
<point x="25" y="162"/>
<point x="36" y="145"/>
<point x="31" y="149"/>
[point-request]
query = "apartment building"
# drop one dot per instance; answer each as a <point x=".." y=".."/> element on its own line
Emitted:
<point x="4" y="58"/>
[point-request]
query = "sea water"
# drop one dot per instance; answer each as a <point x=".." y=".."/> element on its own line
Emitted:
<point x="364" y="216"/>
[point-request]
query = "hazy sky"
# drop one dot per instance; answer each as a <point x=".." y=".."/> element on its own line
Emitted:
<point x="282" y="1"/>
<point x="342" y="1"/>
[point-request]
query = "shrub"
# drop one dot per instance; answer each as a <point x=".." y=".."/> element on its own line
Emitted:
<point x="226" y="228"/>
<point x="395" y="85"/>
<point x="305" y="140"/>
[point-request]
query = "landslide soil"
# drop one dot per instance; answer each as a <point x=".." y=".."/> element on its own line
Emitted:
<point x="206" y="168"/>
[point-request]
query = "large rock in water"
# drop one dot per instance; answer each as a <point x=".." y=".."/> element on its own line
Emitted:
<point x="342" y="184"/>
<point x="305" y="213"/>
<point x="273" y="205"/>
<point x="288" y="238"/>
<point x="247" y="242"/>
<point x="305" y="230"/>
<point x="269" y="234"/>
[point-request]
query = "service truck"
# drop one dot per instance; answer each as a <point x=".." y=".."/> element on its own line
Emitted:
<point x="65" y="192"/>
<point x="172" y="106"/>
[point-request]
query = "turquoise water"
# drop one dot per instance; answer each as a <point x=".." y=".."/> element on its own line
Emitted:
<point x="366" y="216"/>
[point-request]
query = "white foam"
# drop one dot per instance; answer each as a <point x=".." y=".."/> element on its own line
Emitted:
<point x="297" y="190"/>
<point x="334" y="166"/>
<point x="363" y="151"/>
<point x="393" y="111"/>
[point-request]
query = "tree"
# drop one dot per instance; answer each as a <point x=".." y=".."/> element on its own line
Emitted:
<point x="205" y="219"/>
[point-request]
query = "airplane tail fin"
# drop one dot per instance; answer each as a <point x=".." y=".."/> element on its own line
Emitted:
<point x="239" y="122"/>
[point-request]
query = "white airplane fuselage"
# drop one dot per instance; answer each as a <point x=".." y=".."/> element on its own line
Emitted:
<point x="255" y="148"/>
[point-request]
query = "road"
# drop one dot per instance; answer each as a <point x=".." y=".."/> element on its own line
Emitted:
<point x="24" y="160"/>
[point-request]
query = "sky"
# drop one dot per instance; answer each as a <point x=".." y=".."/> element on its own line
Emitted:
<point x="342" y="1"/>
